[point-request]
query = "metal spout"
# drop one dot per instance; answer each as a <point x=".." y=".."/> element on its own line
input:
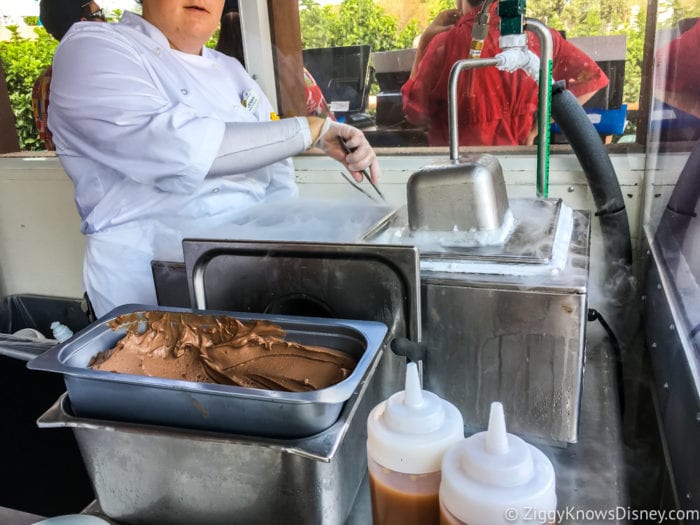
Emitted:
<point x="544" y="101"/>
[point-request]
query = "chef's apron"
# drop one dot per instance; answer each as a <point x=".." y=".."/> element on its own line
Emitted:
<point x="117" y="267"/>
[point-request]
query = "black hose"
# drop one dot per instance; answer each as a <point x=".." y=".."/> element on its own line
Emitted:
<point x="599" y="171"/>
<point x="686" y="194"/>
<point x="680" y="210"/>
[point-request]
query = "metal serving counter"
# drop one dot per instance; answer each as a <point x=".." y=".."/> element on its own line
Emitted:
<point x="17" y="517"/>
<point x="590" y="474"/>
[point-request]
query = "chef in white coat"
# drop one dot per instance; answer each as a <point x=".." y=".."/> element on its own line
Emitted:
<point x="159" y="134"/>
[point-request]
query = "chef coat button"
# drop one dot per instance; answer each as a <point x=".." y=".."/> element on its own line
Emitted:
<point x="215" y="190"/>
<point x="158" y="51"/>
<point x="183" y="91"/>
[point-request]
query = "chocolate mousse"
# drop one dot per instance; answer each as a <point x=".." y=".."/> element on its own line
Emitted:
<point x="220" y="349"/>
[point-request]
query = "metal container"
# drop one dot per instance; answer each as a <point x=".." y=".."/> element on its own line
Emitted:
<point x="507" y="322"/>
<point x="502" y="322"/>
<point x="128" y="397"/>
<point x="149" y="474"/>
<point x="159" y="475"/>
<point x="334" y="280"/>
<point x="465" y="194"/>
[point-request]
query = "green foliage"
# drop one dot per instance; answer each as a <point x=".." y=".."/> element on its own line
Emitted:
<point x="633" y="58"/>
<point x="353" y="22"/>
<point x="31" y="20"/>
<point x="213" y="40"/>
<point x="581" y="17"/>
<point x="115" y="16"/>
<point x="365" y="22"/>
<point x="597" y="18"/>
<point x="435" y="7"/>
<point x="23" y="61"/>
<point x="673" y="11"/>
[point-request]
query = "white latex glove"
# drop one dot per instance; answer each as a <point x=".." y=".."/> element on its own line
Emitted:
<point x="515" y="58"/>
<point x="362" y="155"/>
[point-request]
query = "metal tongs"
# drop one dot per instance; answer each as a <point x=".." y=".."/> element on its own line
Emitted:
<point x="365" y="174"/>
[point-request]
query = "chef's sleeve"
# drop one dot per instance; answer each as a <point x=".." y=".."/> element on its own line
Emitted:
<point x="247" y="146"/>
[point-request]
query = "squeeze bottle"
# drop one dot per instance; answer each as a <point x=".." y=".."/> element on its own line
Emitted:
<point x="60" y="331"/>
<point x="494" y="478"/>
<point x="407" y="435"/>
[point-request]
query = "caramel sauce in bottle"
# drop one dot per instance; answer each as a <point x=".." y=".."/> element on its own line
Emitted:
<point x="403" y="499"/>
<point x="407" y="436"/>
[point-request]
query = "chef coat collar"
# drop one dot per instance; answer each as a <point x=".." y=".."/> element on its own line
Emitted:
<point x="138" y="23"/>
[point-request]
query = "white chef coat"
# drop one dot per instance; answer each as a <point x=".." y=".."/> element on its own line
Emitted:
<point x="137" y="126"/>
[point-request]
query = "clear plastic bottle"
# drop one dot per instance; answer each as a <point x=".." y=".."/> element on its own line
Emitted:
<point x="494" y="478"/>
<point x="406" y="437"/>
<point x="60" y="331"/>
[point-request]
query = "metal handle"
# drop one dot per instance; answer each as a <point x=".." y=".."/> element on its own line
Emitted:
<point x="200" y="296"/>
<point x="457" y="68"/>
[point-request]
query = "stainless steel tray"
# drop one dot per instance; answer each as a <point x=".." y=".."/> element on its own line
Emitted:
<point x="155" y="474"/>
<point x="134" y="398"/>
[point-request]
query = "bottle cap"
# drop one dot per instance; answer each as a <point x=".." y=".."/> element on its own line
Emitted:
<point x="410" y="431"/>
<point x="492" y="472"/>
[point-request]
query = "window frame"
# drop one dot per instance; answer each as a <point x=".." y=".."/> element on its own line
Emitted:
<point x="285" y="53"/>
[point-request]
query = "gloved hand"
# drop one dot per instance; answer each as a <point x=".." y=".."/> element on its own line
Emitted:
<point x="362" y="155"/>
<point x="515" y="58"/>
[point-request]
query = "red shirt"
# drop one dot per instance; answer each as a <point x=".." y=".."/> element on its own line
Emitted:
<point x="495" y="107"/>
<point x="40" y="106"/>
<point x="316" y="104"/>
<point x="679" y="61"/>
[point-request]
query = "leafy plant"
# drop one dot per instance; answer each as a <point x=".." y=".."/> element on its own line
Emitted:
<point x="599" y="18"/>
<point x="435" y="7"/>
<point x="633" y="58"/>
<point x="353" y="22"/>
<point x="24" y="60"/>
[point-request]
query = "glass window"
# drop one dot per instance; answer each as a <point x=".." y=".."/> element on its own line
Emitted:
<point x="383" y="66"/>
<point x="675" y="106"/>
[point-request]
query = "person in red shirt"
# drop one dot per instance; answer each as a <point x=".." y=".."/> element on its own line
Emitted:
<point x="494" y="107"/>
<point x="678" y="74"/>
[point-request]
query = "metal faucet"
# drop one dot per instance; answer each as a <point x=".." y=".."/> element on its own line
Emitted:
<point x="514" y="56"/>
